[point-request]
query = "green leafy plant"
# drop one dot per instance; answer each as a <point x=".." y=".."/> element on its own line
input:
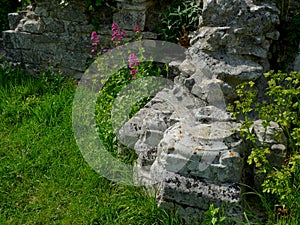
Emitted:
<point x="283" y="108"/>
<point x="180" y="15"/>
<point x="133" y="68"/>
<point x="213" y="216"/>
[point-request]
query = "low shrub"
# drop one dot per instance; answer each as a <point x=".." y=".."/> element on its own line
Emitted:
<point x="283" y="108"/>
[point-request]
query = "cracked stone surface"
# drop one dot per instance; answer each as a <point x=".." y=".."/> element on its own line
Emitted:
<point x="188" y="145"/>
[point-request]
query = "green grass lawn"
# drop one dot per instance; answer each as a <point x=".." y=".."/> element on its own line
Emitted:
<point x="43" y="176"/>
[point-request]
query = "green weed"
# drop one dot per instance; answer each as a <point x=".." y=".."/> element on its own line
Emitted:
<point x="282" y="106"/>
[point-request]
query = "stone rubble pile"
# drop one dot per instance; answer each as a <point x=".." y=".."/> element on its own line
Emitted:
<point x="188" y="147"/>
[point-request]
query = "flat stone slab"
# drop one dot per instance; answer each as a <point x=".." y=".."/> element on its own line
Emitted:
<point x="193" y="192"/>
<point x="208" y="151"/>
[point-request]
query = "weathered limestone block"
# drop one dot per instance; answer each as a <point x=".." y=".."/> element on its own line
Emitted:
<point x="192" y="192"/>
<point x="220" y="65"/>
<point x="53" y="25"/>
<point x="216" y="75"/>
<point x="272" y="134"/>
<point x="75" y="15"/>
<point x="132" y="13"/>
<point x="207" y="151"/>
<point x="129" y="19"/>
<point x="191" y="197"/>
<point x="238" y="28"/>
<point x="15" y="56"/>
<point x="73" y="60"/>
<point x="210" y="114"/>
<point x="73" y="27"/>
<point x="231" y="46"/>
<point x="129" y="134"/>
<point x="20" y="40"/>
<point x="217" y="13"/>
<point x="41" y="11"/>
<point x="33" y="26"/>
<point x="15" y="18"/>
<point x="145" y="130"/>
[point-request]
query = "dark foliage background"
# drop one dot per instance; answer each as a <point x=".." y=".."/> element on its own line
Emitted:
<point x="7" y="6"/>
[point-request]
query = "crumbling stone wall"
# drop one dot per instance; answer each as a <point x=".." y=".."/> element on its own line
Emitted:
<point x="185" y="140"/>
<point x="187" y="144"/>
<point x="48" y="30"/>
<point x="48" y="34"/>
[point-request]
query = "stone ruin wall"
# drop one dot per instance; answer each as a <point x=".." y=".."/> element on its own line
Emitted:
<point x="188" y="145"/>
<point x="47" y="34"/>
<point x="50" y="31"/>
<point x="192" y="156"/>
